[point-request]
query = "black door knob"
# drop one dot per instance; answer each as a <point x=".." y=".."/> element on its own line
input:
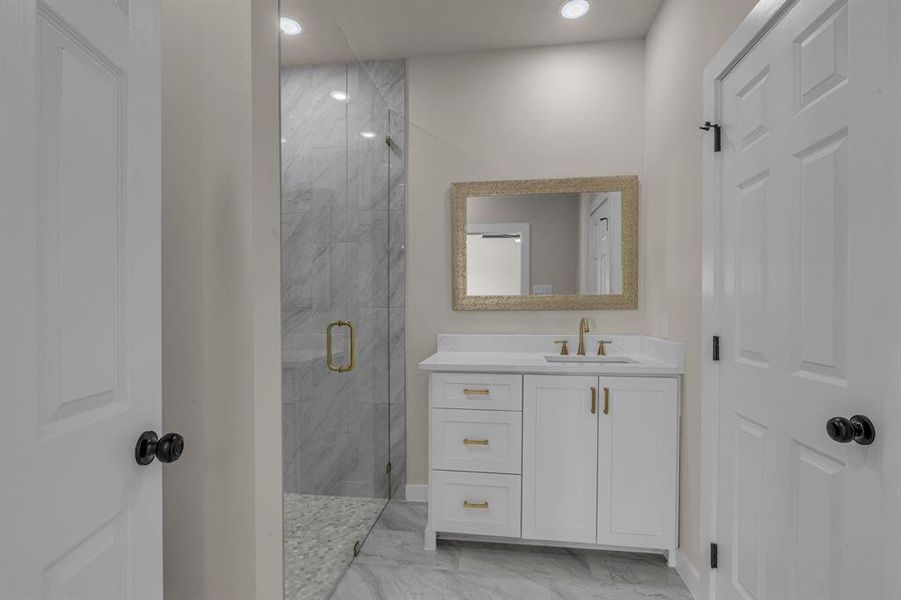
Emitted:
<point x="167" y="449"/>
<point x="858" y="429"/>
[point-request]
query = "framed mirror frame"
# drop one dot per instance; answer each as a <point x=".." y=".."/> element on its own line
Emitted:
<point x="627" y="185"/>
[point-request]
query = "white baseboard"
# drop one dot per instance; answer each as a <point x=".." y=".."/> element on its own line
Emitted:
<point x="417" y="492"/>
<point x="690" y="576"/>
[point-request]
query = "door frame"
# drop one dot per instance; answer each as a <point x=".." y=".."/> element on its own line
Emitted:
<point x="701" y="579"/>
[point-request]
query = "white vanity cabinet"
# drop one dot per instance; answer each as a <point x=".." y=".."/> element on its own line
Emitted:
<point x="588" y="460"/>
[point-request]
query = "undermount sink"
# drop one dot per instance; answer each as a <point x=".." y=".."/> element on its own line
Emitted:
<point x="593" y="358"/>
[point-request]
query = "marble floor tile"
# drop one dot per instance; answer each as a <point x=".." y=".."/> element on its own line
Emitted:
<point x="632" y="568"/>
<point x="401" y="549"/>
<point x="404" y="516"/>
<point x="363" y="582"/>
<point x="570" y="591"/>
<point x="536" y="563"/>
<point x="393" y="565"/>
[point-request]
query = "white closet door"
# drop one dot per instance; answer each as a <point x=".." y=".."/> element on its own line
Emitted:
<point x="559" y="477"/>
<point x="80" y="302"/>
<point x="809" y="301"/>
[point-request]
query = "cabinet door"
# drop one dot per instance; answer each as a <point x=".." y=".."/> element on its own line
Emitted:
<point x="559" y="477"/>
<point x="638" y="461"/>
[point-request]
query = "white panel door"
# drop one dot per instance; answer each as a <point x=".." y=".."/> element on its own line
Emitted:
<point x="600" y="249"/>
<point x="559" y="463"/>
<point x="809" y="266"/>
<point x="638" y="461"/>
<point x="80" y="300"/>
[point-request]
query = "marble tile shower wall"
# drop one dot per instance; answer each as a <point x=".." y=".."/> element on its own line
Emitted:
<point x="342" y="257"/>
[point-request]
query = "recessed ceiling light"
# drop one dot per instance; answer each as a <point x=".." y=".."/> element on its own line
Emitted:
<point x="289" y="26"/>
<point x="573" y="9"/>
<point x="367" y="134"/>
<point x="338" y="95"/>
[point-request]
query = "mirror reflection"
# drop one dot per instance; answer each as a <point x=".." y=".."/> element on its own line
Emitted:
<point x="544" y="244"/>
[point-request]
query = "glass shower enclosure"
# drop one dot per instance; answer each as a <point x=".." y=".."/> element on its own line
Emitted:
<point x="336" y="174"/>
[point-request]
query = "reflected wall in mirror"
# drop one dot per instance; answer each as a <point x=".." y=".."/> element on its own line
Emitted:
<point x="551" y="244"/>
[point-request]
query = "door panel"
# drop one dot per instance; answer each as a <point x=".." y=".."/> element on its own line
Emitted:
<point x="80" y="262"/>
<point x="748" y="505"/>
<point x="821" y="305"/>
<point x="637" y="462"/>
<point x="805" y="213"/>
<point x="816" y="500"/>
<point x="80" y="209"/>
<point x="559" y="480"/>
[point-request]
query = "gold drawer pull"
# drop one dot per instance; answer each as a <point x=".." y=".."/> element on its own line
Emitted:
<point x="470" y="442"/>
<point x="594" y="400"/>
<point x="606" y="401"/>
<point x="475" y="504"/>
<point x="476" y="392"/>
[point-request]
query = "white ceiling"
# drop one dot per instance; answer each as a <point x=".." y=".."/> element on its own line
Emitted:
<point x="404" y="28"/>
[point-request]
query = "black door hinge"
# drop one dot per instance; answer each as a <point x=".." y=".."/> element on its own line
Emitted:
<point x="388" y="468"/>
<point x="717" y="139"/>
<point x="716" y="348"/>
<point x="713" y="556"/>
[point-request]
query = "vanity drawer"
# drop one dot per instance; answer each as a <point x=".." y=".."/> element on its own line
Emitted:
<point x="477" y="503"/>
<point x="477" y="440"/>
<point x="482" y="391"/>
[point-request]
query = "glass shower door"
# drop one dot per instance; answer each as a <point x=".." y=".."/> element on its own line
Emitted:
<point x="335" y="195"/>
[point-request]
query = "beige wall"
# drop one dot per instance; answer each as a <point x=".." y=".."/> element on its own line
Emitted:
<point x="560" y="111"/>
<point x="221" y="363"/>
<point x="553" y="233"/>
<point x="685" y="36"/>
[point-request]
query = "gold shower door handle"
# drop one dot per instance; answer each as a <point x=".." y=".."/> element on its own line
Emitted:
<point x="352" y="349"/>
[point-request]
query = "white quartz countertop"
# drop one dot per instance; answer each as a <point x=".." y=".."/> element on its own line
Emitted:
<point x="526" y="354"/>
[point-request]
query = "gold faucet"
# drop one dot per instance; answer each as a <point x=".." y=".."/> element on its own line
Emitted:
<point x="583" y="329"/>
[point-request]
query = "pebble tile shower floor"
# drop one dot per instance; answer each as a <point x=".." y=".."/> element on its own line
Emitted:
<point x="393" y="565"/>
<point x="320" y="532"/>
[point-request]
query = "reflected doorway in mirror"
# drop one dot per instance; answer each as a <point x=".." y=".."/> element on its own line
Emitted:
<point x="499" y="259"/>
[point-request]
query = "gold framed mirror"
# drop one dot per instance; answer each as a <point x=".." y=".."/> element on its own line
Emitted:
<point x="546" y="244"/>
